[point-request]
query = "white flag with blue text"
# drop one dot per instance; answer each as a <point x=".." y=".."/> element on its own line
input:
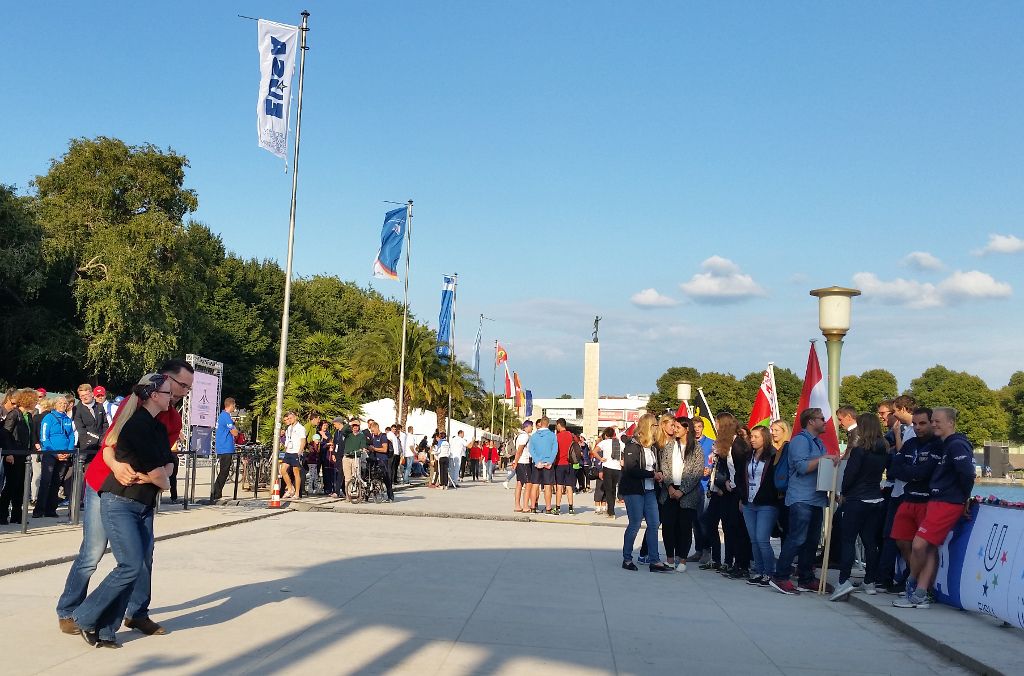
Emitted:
<point x="278" y="44"/>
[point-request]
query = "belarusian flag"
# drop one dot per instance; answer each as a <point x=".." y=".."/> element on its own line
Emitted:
<point x="510" y="389"/>
<point x="766" y="404"/>
<point x="815" y="395"/>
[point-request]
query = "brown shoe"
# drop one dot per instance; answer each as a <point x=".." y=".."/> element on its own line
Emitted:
<point x="145" y="625"/>
<point x="68" y="625"/>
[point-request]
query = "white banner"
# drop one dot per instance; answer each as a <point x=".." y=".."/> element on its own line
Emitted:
<point x="203" y="404"/>
<point x="278" y="44"/>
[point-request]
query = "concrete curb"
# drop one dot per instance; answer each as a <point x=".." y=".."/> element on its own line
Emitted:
<point x="192" y="531"/>
<point x="959" y="657"/>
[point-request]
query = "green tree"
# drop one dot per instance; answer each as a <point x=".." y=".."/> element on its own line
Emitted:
<point x="1012" y="399"/>
<point x="664" y="395"/>
<point x="981" y="416"/>
<point x="113" y="218"/>
<point x="866" y="391"/>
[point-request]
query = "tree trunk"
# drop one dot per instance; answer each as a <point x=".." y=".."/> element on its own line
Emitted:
<point x="442" y="418"/>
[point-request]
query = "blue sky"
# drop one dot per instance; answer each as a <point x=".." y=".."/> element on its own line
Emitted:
<point x="688" y="172"/>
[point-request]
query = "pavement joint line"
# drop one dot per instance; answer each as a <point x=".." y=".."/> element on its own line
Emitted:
<point x="56" y="561"/>
<point x="470" y="516"/>
<point x="907" y="629"/>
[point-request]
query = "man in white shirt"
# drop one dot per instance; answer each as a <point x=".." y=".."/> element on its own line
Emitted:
<point x="522" y="466"/>
<point x="395" y="452"/>
<point x="458" y="452"/>
<point x="294" y="445"/>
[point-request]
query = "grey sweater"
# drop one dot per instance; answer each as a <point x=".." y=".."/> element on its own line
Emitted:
<point x="693" y="472"/>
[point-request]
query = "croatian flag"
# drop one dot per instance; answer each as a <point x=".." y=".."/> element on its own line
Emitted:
<point x="444" y="322"/>
<point x="391" y="237"/>
<point x="815" y="395"/>
<point x="278" y="44"/>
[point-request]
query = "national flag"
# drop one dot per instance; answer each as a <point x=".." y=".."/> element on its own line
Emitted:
<point x="519" y="389"/>
<point x="815" y="395"/>
<point x="683" y="411"/>
<point x="444" y="322"/>
<point x="766" y="403"/>
<point x="509" y="386"/>
<point x="529" y="404"/>
<point x="500" y="356"/>
<point x="476" y="347"/>
<point x="700" y="409"/>
<point x="278" y="45"/>
<point x="385" y="266"/>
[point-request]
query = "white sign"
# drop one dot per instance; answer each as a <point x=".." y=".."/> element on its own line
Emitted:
<point x="567" y="413"/>
<point x="277" y="43"/>
<point x="203" y="404"/>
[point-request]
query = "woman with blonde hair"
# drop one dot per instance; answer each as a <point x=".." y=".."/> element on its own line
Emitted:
<point x="640" y="474"/>
<point x="140" y="440"/>
<point x="781" y="434"/>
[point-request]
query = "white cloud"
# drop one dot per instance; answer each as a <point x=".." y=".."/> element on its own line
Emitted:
<point x="956" y="288"/>
<point x="922" y="260"/>
<point x="721" y="282"/>
<point x="650" y="298"/>
<point x="972" y="285"/>
<point x="1002" y="244"/>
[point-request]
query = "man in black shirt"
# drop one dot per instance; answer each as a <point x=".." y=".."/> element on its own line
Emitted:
<point x="90" y="422"/>
<point x="380" y="446"/>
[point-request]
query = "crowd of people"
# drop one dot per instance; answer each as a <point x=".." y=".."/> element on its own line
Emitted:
<point x="55" y="426"/>
<point x="717" y="503"/>
<point x="907" y="477"/>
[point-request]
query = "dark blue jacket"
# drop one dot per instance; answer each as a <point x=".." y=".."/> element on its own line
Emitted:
<point x="914" y="463"/>
<point x="953" y="479"/>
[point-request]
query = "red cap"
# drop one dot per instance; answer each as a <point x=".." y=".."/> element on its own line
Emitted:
<point x="41" y="391"/>
<point x="99" y="391"/>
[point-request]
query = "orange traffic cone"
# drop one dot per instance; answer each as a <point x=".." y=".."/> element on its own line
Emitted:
<point x="275" y="499"/>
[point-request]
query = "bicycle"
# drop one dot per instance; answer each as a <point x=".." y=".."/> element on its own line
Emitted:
<point x="369" y="485"/>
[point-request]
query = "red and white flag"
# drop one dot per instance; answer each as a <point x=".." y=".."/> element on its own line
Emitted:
<point x="815" y="395"/>
<point x="766" y="404"/>
<point x="510" y="388"/>
<point x="683" y="411"/>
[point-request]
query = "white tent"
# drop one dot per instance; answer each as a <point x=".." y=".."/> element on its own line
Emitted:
<point x="423" y="422"/>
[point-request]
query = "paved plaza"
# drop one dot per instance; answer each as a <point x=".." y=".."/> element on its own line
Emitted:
<point x="329" y="592"/>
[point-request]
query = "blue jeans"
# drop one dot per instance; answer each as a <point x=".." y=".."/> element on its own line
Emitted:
<point x="94" y="543"/>
<point x="454" y="463"/>
<point x="129" y="525"/>
<point x="640" y="508"/>
<point x="801" y="542"/>
<point x="760" y="520"/>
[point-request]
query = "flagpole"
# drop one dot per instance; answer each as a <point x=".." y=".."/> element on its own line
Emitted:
<point x="494" y="376"/>
<point x="405" y="314"/>
<point x="283" y="356"/>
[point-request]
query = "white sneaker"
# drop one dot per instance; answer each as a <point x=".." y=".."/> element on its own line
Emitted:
<point x="869" y="588"/>
<point x="681" y="568"/>
<point x="842" y="591"/>
<point x="505" y="484"/>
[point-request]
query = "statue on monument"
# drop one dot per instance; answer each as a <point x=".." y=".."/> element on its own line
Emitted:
<point x="597" y="320"/>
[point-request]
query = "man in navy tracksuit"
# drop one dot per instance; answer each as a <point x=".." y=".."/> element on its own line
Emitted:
<point x="950" y="489"/>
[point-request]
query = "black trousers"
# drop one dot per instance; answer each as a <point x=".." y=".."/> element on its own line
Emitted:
<point x="474" y="465"/>
<point x="676" y="529"/>
<point x="385" y="465"/>
<point x="14" y="489"/>
<point x="611" y="485"/>
<point x="863" y="519"/>
<point x="582" y="480"/>
<point x="889" y="553"/>
<point x="442" y="471"/>
<point x="50" y="479"/>
<point x="737" y="539"/>
<point x="712" y="516"/>
<point x="223" y="470"/>
<point x="174" y="477"/>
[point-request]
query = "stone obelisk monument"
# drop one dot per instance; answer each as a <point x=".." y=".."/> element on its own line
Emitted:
<point x="591" y="384"/>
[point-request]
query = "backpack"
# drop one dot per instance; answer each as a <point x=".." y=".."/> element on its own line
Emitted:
<point x="782" y="469"/>
<point x="616" y="449"/>
<point x="575" y="453"/>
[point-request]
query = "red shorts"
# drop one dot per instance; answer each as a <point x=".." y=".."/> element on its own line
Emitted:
<point x="908" y="519"/>
<point x="939" y="519"/>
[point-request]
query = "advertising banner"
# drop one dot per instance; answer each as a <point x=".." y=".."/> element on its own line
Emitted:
<point x="203" y="404"/>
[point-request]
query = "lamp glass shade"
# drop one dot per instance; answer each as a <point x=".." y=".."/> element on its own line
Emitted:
<point x="683" y="391"/>
<point x="834" y="306"/>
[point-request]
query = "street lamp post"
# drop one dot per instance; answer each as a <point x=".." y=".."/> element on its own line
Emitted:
<point x="834" y="305"/>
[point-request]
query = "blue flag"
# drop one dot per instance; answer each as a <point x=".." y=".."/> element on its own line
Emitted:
<point x="476" y="348"/>
<point x="444" y="321"/>
<point x="529" y="404"/>
<point x="391" y="237"/>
